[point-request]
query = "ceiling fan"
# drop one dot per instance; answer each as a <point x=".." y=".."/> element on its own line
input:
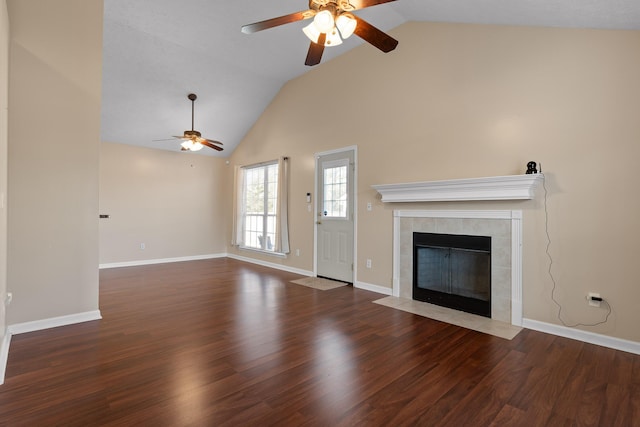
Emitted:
<point x="192" y="139"/>
<point x="332" y="23"/>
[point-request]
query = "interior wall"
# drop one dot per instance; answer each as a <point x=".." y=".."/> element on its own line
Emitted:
<point x="4" y="111"/>
<point x="172" y="202"/>
<point x="54" y="133"/>
<point x="462" y="101"/>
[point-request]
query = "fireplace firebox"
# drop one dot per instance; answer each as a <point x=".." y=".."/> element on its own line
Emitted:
<point x="453" y="271"/>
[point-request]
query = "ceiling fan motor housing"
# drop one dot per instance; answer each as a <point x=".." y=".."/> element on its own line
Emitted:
<point x="334" y="6"/>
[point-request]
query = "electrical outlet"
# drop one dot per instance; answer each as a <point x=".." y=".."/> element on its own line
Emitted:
<point x="297" y="252"/>
<point x="368" y="263"/>
<point x="591" y="301"/>
<point x="369" y="206"/>
<point x="8" y="298"/>
<point x="142" y="246"/>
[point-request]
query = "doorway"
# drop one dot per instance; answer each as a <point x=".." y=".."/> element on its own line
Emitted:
<point x="335" y="214"/>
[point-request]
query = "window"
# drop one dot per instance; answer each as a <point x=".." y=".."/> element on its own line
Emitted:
<point x="260" y="203"/>
<point x="261" y="199"/>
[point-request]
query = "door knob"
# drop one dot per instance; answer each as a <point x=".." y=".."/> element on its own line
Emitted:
<point x="318" y="222"/>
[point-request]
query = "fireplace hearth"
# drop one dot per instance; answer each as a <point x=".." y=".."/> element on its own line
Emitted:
<point x="453" y="271"/>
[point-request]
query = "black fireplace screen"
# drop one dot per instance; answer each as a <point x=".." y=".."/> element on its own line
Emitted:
<point x="453" y="271"/>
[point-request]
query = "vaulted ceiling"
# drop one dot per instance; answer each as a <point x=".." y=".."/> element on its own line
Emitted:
<point x="156" y="52"/>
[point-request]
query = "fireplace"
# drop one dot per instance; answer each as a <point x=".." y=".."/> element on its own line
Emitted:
<point x="503" y="226"/>
<point x="453" y="271"/>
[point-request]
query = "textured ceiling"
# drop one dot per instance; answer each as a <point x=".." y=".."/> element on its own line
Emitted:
<point x="156" y="52"/>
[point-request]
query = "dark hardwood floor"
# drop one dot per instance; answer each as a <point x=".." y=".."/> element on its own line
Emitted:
<point x="221" y="342"/>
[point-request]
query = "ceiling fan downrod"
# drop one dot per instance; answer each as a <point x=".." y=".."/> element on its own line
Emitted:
<point x="192" y="97"/>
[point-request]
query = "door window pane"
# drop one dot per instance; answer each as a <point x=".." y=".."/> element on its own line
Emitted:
<point x="335" y="192"/>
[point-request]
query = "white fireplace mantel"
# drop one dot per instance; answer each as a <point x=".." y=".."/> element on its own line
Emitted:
<point x="511" y="187"/>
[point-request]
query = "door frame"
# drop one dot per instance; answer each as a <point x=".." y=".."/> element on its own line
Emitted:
<point x="316" y="206"/>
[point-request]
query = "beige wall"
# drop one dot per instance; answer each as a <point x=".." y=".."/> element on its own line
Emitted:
<point x="460" y="101"/>
<point x="4" y="104"/>
<point x="54" y="134"/>
<point x="173" y="202"/>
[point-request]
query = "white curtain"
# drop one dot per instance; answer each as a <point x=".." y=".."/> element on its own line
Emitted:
<point x="282" y="211"/>
<point x="237" y="236"/>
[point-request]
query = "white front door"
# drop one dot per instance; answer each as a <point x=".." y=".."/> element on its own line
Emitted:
<point x="335" y="215"/>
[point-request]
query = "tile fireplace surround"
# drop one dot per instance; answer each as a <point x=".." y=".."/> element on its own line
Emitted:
<point x="503" y="226"/>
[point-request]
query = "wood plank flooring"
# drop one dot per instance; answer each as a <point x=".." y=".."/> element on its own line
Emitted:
<point x="221" y="342"/>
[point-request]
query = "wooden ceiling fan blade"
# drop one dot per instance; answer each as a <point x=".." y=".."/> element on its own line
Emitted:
<point x="211" y="141"/>
<point x="275" y="22"/>
<point x="361" y="4"/>
<point x="374" y="36"/>
<point x="210" y="145"/>
<point x="314" y="55"/>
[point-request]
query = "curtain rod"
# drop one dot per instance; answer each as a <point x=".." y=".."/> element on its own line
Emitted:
<point x="269" y="162"/>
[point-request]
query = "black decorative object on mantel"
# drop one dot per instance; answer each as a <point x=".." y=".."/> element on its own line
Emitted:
<point x="531" y="168"/>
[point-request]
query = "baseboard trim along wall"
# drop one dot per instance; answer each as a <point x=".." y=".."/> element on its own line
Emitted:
<point x="373" y="288"/>
<point x="272" y="265"/>
<point x="53" y="322"/>
<point x="201" y="257"/>
<point x="159" y="261"/>
<point x="4" y="355"/>
<point x="584" y="336"/>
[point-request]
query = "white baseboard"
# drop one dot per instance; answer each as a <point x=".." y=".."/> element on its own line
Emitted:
<point x="373" y="288"/>
<point x="210" y="256"/>
<point x="38" y="325"/>
<point x="585" y="336"/>
<point x="272" y="265"/>
<point x="159" y="261"/>
<point x="53" y="322"/>
<point x="4" y="354"/>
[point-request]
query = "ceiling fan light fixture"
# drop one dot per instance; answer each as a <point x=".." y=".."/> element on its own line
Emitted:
<point x="346" y="24"/>
<point x="187" y="144"/>
<point x="333" y="37"/>
<point x="196" y="146"/>
<point x="324" y="21"/>
<point x="311" y="31"/>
